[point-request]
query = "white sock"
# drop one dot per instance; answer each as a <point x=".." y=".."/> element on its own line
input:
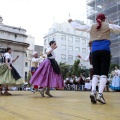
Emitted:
<point x="103" y="80"/>
<point x="95" y="82"/>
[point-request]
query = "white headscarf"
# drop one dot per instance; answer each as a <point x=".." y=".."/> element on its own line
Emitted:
<point x="34" y="53"/>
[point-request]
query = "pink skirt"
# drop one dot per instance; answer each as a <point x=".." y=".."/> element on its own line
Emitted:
<point x="46" y="77"/>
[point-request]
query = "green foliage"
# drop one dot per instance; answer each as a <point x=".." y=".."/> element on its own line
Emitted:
<point x="64" y="69"/>
<point x="76" y="68"/>
<point x="112" y="67"/>
<point x="29" y="77"/>
<point x="68" y="70"/>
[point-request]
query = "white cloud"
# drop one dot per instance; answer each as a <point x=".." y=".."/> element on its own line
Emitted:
<point x="37" y="15"/>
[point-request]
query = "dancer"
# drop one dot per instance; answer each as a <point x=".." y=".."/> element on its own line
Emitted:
<point x="48" y="73"/>
<point x="34" y="65"/>
<point x="116" y="80"/>
<point x="8" y="74"/>
<point x="100" y="38"/>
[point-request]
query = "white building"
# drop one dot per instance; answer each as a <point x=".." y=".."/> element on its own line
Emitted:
<point x="29" y="54"/>
<point x="14" y="37"/>
<point x="70" y="43"/>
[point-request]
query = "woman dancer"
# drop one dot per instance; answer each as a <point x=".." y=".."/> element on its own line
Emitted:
<point x="48" y="73"/>
<point x="116" y="80"/>
<point x="100" y="38"/>
<point x="8" y="74"/>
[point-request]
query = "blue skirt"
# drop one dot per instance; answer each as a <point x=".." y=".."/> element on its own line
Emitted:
<point x="115" y="83"/>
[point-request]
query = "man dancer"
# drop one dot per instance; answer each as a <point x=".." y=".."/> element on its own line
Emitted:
<point x="34" y="65"/>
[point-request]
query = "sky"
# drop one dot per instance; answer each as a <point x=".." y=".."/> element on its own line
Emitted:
<point x="37" y="16"/>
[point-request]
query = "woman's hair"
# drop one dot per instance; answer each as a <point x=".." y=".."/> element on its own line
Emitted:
<point x="99" y="19"/>
<point x="51" y="42"/>
<point x="7" y="49"/>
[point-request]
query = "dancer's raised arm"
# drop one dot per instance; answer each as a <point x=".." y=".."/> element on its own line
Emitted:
<point x="114" y="28"/>
<point x="84" y="28"/>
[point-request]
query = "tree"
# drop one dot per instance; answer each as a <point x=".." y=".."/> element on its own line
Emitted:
<point x="76" y="68"/>
<point x="64" y="69"/>
<point x="29" y="77"/>
<point x="112" y="67"/>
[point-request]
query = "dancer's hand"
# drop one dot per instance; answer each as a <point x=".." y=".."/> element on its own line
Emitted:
<point x="70" y="20"/>
<point x="10" y="68"/>
<point x="55" y="47"/>
<point x="79" y="56"/>
<point x="17" y="56"/>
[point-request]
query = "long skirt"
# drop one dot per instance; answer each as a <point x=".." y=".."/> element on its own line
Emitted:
<point x="45" y="76"/>
<point x="33" y="70"/>
<point x="115" y="83"/>
<point x="9" y="77"/>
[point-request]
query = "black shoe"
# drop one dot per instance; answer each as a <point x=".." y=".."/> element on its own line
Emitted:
<point x="93" y="97"/>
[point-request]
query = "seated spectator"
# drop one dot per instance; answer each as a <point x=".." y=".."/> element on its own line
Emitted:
<point x="88" y="84"/>
<point x="81" y="81"/>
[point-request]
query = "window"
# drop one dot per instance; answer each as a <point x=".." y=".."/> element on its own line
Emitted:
<point x="67" y="29"/>
<point x="83" y="67"/>
<point x="77" y="49"/>
<point x="63" y="37"/>
<point x="45" y="50"/>
<point x="70" y="48"/>
<point x="54" y="30"/>
<point x="63" y="47"/>
<point x="74" y="31"/>
<point x="26" y="64"/>
<point x="83" y="50"/>
<point x="77" y="58"/>
<point x="70" y="59"/>
<point x="81" y="33"/>
<point x="63" y="58"/>
<point x="83" y="41"/>
<point x="49" y="39"/>
<point x="54" y="38"/>
<point x="25" y="75"/>
<point x="45" y="42"/>
<point x="71" y="39"/>
<point x="77" y="40"/>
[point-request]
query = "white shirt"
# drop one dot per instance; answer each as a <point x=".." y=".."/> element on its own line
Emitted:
<point x="8" y="56"/>
<point x="36" y="59"/>
<point x="86" y="59"/>
<point x="53" y="54"/>
<point x="85" y="28"/>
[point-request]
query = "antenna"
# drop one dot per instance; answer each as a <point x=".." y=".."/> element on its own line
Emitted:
<point x="53" y="19"/>
<point x="69" y="15"/>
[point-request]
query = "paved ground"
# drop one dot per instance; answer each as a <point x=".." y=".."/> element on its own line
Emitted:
<point x="66" y="105"/>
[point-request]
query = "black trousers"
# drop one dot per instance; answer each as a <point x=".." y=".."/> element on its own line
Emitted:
<point x="101" y="62"/>
<point x="91" y="73"/>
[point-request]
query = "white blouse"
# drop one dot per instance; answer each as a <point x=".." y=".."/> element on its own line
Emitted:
<point x="8" y="56"/>
<point x="53" y="53"/>
<point x="117" y="72"/>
